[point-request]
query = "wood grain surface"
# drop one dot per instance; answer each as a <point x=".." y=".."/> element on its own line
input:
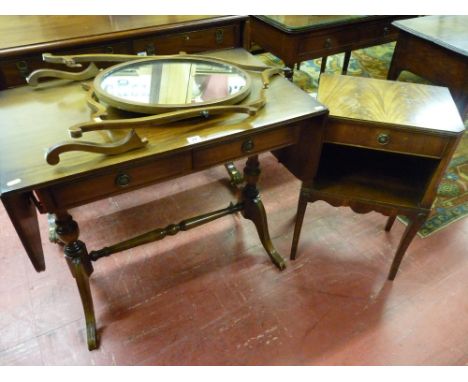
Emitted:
<point x="28" y="30"/>
<point x="390" y="102"/>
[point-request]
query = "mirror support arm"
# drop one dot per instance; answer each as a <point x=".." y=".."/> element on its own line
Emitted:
<point x="77" y="131"/>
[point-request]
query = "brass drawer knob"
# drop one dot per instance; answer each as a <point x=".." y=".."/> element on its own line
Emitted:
<point x="122" y="180"/>
<point x="383" y="138"/>
<point x="248" y="146"/>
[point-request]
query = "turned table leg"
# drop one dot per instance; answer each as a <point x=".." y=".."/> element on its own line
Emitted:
<point x="255" y="211"/>
<point x="81" y="269"/>
<point x="413" y="227"/>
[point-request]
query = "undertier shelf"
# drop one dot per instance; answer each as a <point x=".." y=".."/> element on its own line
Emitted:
<point x="372" y="175"/>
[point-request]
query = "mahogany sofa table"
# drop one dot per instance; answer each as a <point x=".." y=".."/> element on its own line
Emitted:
<point x="436" y="48"/>
<point x="291" y="123"/>
<point x="299" y="38"/>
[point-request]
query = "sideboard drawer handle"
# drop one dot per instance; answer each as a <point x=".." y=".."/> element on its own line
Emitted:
<point x="383" y="138"/>
<point x="150" y="49"/>
<point x="219" y="36"/>
<point x="328" y="43"/>
<point x="248" y="146"/>
<point x="386" y="31"/>
<point x="122" y="180"/>
<point x="109" y="50"/>
<point x="23" y="68"/>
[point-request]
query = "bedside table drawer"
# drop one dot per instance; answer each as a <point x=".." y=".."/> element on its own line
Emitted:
<point x="246" y="146"/>
<point x="93" y="188"/>
<point x="385" y="139"/>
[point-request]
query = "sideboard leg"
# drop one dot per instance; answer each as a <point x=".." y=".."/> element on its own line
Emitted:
<point x="323" y="65"/>
<point x="390" y="221"/>
<point x="301" y="208"/>
<point x="81" y="269"/>
<point x="413" y="227"/>
<point x="255" y="211"/>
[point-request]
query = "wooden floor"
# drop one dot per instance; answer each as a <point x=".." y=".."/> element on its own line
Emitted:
<point x="210" y="296"/>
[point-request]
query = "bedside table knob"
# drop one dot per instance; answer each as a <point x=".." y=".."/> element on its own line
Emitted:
<point x="383" y="138"/>
<point x="122" y="180"/>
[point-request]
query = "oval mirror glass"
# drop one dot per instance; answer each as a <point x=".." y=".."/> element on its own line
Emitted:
<point x="157" y="85"/>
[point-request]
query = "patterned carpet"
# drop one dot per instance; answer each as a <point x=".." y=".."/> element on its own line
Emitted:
<point x="451" y="203"/>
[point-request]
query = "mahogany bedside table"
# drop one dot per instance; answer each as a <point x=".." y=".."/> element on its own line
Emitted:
<point x="386" y="147"/>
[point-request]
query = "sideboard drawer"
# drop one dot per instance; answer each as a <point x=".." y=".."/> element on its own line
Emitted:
<point x="222" y="37"/>
<point x="15" y="71"/>
<point x="241" y="147"/>
<point x="100" y="186"/>
<point x="386" y="139"/>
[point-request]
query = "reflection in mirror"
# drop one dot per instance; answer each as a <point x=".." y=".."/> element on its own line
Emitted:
<point x="173" y="82"/>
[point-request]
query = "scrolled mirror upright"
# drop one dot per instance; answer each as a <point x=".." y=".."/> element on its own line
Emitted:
<point x="164" y="89"/>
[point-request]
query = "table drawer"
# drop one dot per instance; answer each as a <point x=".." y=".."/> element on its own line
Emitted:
<point x="190" y="42"/>
<point x="348" y="37"/>
<point x="280" y="137"/>
<point x="97" y="187"/>
<point x="386" y="139"/>
<point x="14" y="72"/>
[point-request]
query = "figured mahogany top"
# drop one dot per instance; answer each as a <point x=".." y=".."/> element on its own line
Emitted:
<point x="450" y="32"/>
<point x="19" y="32"/>
<point x="391" y="102"/>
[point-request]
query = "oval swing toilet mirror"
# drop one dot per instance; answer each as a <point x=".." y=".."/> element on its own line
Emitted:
<point x="153" y="86"/>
